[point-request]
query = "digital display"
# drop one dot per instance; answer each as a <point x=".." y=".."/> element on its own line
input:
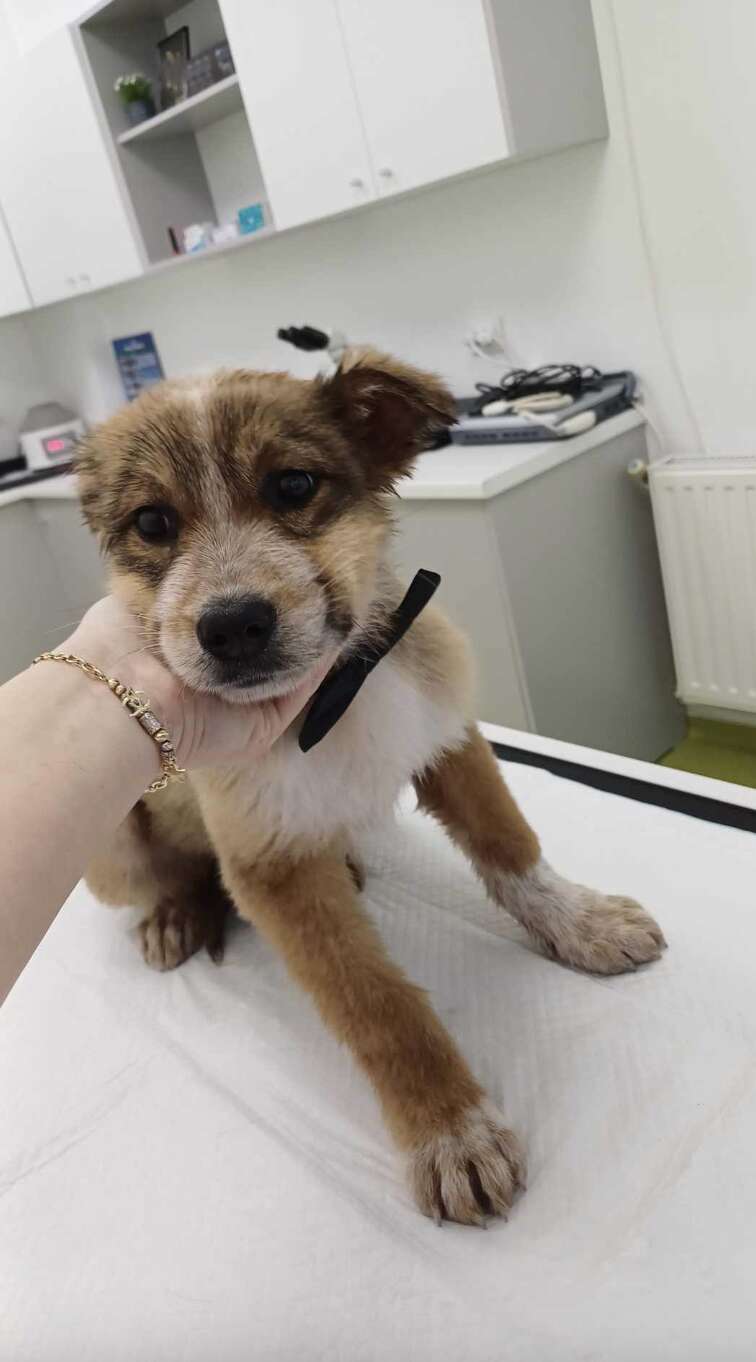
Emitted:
<point x="55" y="445"/>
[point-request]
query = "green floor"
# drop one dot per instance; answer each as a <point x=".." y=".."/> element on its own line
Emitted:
<point x="725" y="751"/>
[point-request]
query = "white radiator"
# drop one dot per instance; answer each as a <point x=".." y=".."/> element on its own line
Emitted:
<point x="705" y="515"/>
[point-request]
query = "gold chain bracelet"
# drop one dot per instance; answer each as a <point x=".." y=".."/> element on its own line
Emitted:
<point x="138" y="706"/>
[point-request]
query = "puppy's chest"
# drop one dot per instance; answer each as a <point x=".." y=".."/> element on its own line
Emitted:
<point x="354" y="775"/>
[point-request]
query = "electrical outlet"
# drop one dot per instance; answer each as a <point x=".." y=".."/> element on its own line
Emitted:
<point x="485" y="339"/>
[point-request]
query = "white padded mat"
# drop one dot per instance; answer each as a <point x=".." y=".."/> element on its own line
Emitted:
<point x="192" y="1171"/>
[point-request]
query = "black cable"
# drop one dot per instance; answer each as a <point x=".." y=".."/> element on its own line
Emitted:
<point x="572" y="379"/>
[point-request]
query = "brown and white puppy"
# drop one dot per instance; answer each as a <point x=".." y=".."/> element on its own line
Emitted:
<point x="245" y="520"/>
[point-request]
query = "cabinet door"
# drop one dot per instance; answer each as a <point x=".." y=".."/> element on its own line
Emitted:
<point x="14" y="296"/>
<point x="425" y="76"/>
<point x="297" y="89"/>
<point x="62" y="203"/>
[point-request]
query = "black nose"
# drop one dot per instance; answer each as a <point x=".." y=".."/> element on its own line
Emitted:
<point x="237" y="630"/>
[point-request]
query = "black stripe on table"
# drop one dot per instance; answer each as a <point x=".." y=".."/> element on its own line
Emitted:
<point x="630" y="787"/>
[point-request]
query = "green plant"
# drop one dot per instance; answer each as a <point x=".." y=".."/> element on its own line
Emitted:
<point x="132" y="88"/>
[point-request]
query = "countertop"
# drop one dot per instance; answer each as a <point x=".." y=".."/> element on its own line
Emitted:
<point x="51" y="489"/>
<point x="457" y="473"/>
<point x="479" y="472"/>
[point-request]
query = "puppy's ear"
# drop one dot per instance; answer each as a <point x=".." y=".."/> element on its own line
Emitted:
<point x="387" y="410"/>
<point x="88" y="470"/>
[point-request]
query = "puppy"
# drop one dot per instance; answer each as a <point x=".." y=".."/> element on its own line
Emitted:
<point x="246" y="521"/>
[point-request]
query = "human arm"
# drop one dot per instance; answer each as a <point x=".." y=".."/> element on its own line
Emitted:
<point x="74" y="763"/>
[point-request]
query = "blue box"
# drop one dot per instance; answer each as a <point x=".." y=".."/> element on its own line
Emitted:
<point x="251" y="218"/>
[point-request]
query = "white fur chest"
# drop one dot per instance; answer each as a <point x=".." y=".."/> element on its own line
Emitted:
<point x="353" y="776"/>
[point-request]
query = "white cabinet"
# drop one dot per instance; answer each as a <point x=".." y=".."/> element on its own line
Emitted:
<point x="62" y="203"/>
<point x="298" y="92"/>
<point x="50" y="572"/>
<point x="346" y="101"/>
<point x="353" y="99"/>
<point x="565" y="613"/>
<point x="426" y="84"/>
<point x="14" y="295"/>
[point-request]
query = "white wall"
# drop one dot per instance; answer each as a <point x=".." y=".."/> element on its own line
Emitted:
<point x="22" y="380"/>
<point x="692" y="100"/>
<point x="559" y="247"/>
<point x="32" y="20"/>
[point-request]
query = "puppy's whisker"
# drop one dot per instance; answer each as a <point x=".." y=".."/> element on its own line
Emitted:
<point x="66" y="628"/>
<point x="137" y="652"/>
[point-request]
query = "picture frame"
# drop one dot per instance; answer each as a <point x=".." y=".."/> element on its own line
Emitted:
<point x="174" y="53"/>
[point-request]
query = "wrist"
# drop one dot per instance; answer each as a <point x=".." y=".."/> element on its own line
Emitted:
<point x="143" y="691"/>
<point x="78" y="718"/>
<point x="127" y="659"/>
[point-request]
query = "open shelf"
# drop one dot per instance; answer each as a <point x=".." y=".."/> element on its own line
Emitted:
<point x="199" y="111"/>
<point x="194" y="163"/>
<point x="211" y="252"/>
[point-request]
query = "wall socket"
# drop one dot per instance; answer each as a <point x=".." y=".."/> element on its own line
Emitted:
<point x="486" y="340"/>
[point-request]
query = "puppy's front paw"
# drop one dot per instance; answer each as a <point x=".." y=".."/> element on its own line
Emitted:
<point x="470" y="1170"/>
<point x="173" y="933"/>
<point x="601" y="933"/>
<point x="609" y="935"/>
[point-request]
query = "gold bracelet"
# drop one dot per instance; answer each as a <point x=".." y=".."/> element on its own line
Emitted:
<point x="138" y="706"/>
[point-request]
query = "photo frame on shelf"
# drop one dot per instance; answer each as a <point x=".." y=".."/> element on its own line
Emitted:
<point x="209" y="67"/>
<point x="174" y="54"/>
<point x="199" y="73"/>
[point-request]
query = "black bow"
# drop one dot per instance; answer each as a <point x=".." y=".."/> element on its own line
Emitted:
<point x="336" y="693"/>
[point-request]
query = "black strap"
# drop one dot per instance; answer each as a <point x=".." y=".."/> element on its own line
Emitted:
<point x="336" y="693"/>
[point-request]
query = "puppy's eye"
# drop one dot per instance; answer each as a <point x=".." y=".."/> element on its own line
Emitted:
<point x="290" y="489"/>
<point x="156" y="524"/>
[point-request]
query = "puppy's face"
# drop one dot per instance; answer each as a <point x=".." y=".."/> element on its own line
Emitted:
<point x="242" y="515"/>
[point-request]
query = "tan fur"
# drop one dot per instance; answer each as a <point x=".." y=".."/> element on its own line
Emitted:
<point x="309" y="912"/>
<point x="606" y="934"/>
<point x="161" y="861"/>
<point x="281" y="837"/>
<point x="464" y="790"/>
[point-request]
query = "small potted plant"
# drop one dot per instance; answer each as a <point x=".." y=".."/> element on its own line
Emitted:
<point x="136" y="93"/>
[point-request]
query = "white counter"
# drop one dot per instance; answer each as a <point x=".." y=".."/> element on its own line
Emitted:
<point x="478" y="472"/>
<point x="50" y="489"/>
<point x="457" y="473"/>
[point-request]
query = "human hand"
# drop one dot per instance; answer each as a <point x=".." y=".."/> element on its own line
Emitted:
<point x="204" y="730"/>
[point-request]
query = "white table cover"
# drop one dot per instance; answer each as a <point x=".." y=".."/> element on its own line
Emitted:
<point x="192" y="1170"/>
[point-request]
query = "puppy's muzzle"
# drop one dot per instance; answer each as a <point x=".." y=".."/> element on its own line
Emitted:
<point x="237" y="632"/>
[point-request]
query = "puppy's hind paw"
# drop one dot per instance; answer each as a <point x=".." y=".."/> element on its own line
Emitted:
<point x="173" y="933"/>
<point x="356" y="868"/>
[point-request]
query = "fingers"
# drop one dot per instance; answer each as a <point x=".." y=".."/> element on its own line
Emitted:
<point x="214" y="731"/>
<point x="284" y="709"/>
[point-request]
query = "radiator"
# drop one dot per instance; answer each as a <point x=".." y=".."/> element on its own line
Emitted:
<point x="705" y="516"/>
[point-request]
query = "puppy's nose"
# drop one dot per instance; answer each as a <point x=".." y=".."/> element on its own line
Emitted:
<point x="237" y="630"/>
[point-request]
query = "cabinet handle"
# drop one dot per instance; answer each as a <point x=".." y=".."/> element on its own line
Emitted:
<point x="356" y="183"/>
<point x="70" y="281"/>
<point x="84" y="279"/>
<point x="386" y="173"/>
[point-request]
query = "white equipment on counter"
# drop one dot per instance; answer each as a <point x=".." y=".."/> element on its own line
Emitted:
<point x="49" y="434"/>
